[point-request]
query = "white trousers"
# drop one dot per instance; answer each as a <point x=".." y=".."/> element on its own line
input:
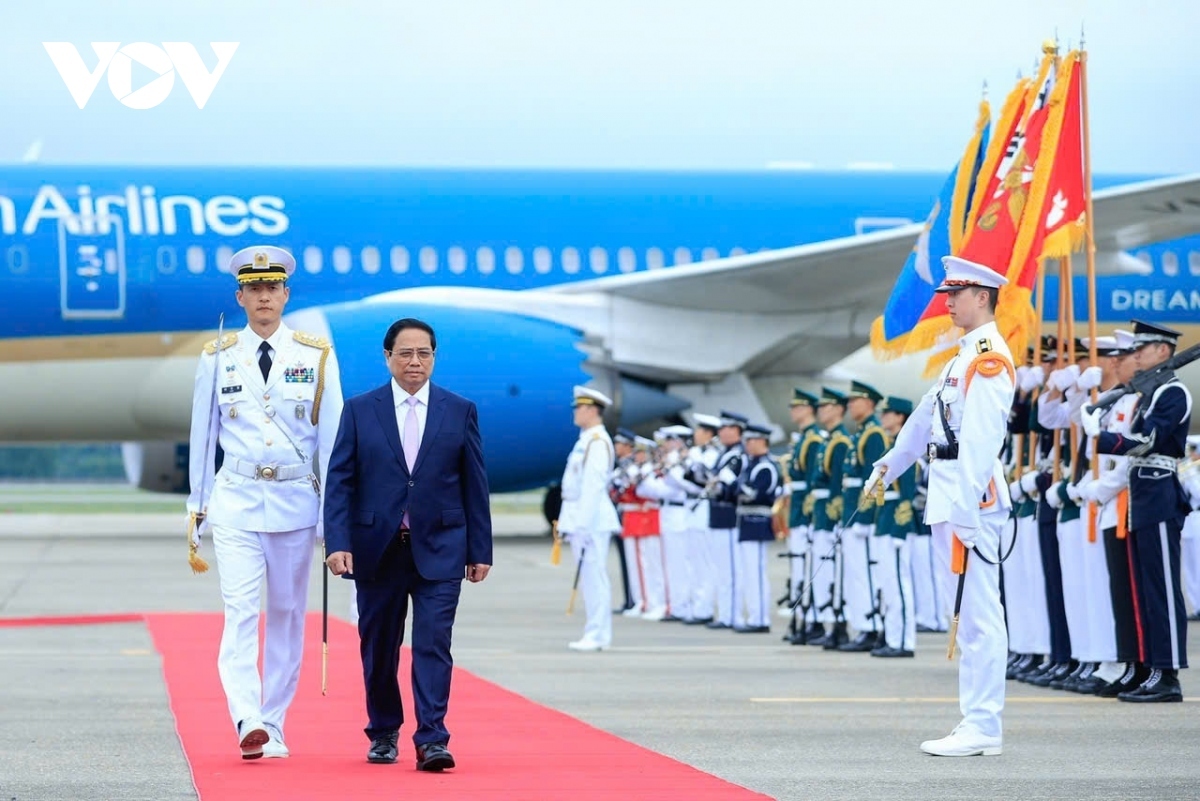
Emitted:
<point x="244" y="560"/>
<point x="635" y="573"/>
<point x="825" y="565"/>
<point x="591" y="560"/>
<point x="1189" y="560"/>
<point x="981" y="634"/>
<point x="724" y="543"/>
<point x="797" y="548"/>
<point x="858" y="578"/>
<point x="752" y="605"/>
<point x="647" y="560"/>
<point x="894" y="571"/>
<point x="704" y="577"/>
<point x="673" y="523"/>
<point x="1075" y="599"/>
<point x="1025" y="590"/>
<point x="931" y="612"/>
<point x="1101" y="625"/>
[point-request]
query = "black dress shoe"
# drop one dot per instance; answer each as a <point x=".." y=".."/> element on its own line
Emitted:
<point x="671" y="619"/>
<point x="1133" y="677"/>
<point x="697" y="621"/>
<point x="752" y="629"/>
<point x="834" y="638"/>
<point x="1161" y="687"/>
<point x="1055" y="673"/>
<point x="383" y="749"/>
<point x="929" y="630"/>
<point x="434" y="757"/>
<point x="716" y="624"/>
<point x="863" y="642"/>
<point x="887" y="652"/>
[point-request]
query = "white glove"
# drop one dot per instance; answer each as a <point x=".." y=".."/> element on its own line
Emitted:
<point x="1029" y="483"/>
<point x="1034" y="378"/>
<point x="1073" y="492"/>
<point x="1022" y="377"/>
<point x="966" y="535"/>
<point x="1014" y="490"/>
<point x="1053" y="497"/>
<point x="1089" y="379"/>
<point x="876" y="476"/>
<point x="1090" y="420"/>
<point x="749" y="492"/>
<point x="1087" y="490"/>
<point x="1064" y="379"/>
<point x="727" y="476"/>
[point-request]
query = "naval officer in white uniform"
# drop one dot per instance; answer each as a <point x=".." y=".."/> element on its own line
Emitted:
<point x="271" y="398"/>
<point x="961" y="426"/>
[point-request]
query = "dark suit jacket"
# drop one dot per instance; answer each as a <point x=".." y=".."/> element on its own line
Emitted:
<point x="369" y="487"/>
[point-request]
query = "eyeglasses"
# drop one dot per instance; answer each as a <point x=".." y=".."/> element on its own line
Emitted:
<point x="406" y="355"/>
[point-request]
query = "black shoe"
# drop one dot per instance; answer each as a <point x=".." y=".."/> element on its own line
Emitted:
<point x="434" y="757"/>
<point x="887" y="652"/>
<point x="863" y="642"/>
<point x="1056" y="671"/>
<point x="1038" y="666"/>
<point x="716" y="624"/>
<point x="383" y="749"/>
<point x="835" y="638"/>
<point x="1092" y="685"/>
<point x="671" y="619"/>
<point x="1194" y="616"/>
<point x="1020" y="665"/>
<point x="1161" y="687"/>
<point x="697" y="621"/>
<point x="1133" y="677"/>
<point x="928" y="630"/>
<point x="1067" y="681"/>
<point x="752" y="629"/>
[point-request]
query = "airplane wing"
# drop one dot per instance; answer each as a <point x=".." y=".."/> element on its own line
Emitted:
<point x="799" y="310"/>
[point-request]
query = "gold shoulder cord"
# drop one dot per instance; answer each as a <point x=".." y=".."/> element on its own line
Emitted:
<point x="324" y="346"/>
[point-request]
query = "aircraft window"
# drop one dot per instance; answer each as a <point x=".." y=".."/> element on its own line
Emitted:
<point x="1194" y="262"/>
<point x="683" y="256"/>
<point x="399" y="258"/>
<point x="341" y="259"/>
<point x="626" y="260"/>
<point x="654" y="259"/>
<point x="598" y="258"/>
<point x="542" y="262"/>
<point x="18" y="259"/>
<point x="195" y="259"/>
<point x="514" y="260"/>
<point x="456" y="260"/>
<point x="708" y="254"/>
<point x="737" y="251"/>
<point x="313" y="259"/>
<point x="428" y="260"/>
<point x="1144" y="258"/>
<point x="370" y="260"/>
<point x="1170" y="263"/>
<point x="164" y="257"/>
<point x="485" y="260"/>
<point x="570" y="261"/>
<point x="223" y="255"/>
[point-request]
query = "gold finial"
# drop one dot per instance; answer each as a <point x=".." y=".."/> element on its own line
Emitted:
<point x="1050" y="46"/>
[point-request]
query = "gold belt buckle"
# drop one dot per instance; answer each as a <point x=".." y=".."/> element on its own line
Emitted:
<point x="267" y="472"/>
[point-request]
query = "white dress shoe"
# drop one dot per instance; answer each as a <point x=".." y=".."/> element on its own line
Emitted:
<point x="657" y="613"/>
<point x="963" y="741"/>
<point x="633" y="611"/>
<point x="252" y="736"/>
<point x="586" y="645"/>
<point x="275" y="748"/>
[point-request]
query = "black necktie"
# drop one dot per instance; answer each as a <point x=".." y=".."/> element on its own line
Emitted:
<point x="264" y="361"/>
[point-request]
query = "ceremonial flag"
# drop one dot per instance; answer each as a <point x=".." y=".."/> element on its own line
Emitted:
<point x="944" y="228"/>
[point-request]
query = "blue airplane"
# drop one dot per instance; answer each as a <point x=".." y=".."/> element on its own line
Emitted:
<point x="671" y="291"/>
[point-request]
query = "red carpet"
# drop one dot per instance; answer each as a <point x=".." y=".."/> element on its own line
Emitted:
<point x="507" y="746"/>
<point x="69" y="620"/>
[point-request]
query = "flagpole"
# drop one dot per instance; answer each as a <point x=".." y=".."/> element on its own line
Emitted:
<point x="1091" y="261"/>
<point x="1037" y="355"/>
<point x="1074" y="429"/>
<point x="1061" y="334"/>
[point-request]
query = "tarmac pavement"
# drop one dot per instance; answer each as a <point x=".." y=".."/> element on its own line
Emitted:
<point x="84" y="715"/>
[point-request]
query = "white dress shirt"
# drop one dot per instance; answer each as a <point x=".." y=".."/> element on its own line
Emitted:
<point x="402" y="409"/>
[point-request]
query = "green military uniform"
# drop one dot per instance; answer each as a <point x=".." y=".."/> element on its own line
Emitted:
<point x="860" y="584"/>
<point x="825" y="503"/>
<point x="804" y="454"/>
<point x="892" y="551"/>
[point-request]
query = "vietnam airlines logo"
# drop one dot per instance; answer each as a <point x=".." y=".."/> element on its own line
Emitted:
<point x="117" y="63"/>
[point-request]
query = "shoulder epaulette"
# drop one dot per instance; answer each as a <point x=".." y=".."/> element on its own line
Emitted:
<point x="989" y="365"/>
<point x="310" y="340"/>
<point x="227" y="341"/>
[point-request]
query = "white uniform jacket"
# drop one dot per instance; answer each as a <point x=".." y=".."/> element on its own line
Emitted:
<point x="586" y="506"/>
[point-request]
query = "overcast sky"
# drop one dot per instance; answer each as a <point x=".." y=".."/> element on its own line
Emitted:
<point x="614" y="83"/>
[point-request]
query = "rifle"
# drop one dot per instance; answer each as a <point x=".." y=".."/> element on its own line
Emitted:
<point x="1145" y="382"/>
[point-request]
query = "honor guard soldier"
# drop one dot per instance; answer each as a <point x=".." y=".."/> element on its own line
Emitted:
<point x="701" y="470"/>
<point x="623" y="446"/>
<point x="722" y="514"/>
<point x="271" y="398"/>
<point x="961" y="424"/>
<point x="1158" y="506"/>
<point x="757" y="488"/>
<point x="588" y="519"/>
<point x="642" y="528"/>
<point x="892" y="548"/>
<point x="803" y="410"/>
<point x="1189" y="477"/>
<point x="825" y="486"/>
<point x="669" y="488"/>
<point x="861" y="547"/>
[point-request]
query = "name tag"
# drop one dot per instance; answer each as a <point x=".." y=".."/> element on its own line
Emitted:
<point x="228" y="390"/>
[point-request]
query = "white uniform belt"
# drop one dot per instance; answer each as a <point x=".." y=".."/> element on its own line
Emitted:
<point x="848" y="483"/>
<point x="1155" y="460"/>
<point x="891" y="495"/>
<point x="637" y="507"/>
<point x="268" y="472"/>
<point x="765" y="511"/>
<point x="820" y="494"/>
<point x="797" y="486"/>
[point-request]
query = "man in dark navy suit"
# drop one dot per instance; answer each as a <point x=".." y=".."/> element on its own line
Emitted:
<point x="406" y="513"/>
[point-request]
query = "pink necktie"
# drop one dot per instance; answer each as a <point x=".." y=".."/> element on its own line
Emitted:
<point x="411" y="442"/>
